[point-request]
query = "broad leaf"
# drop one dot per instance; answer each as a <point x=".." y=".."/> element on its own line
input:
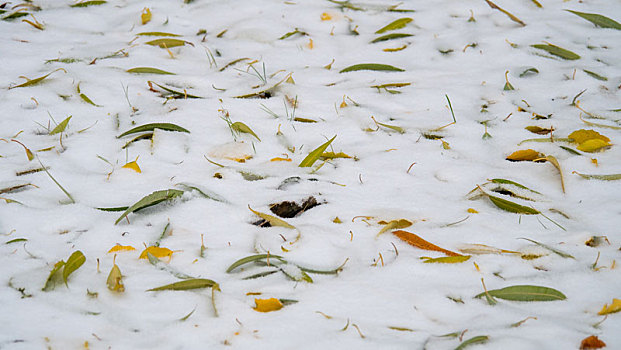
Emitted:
<point x="525" y="293"/>
<point x="158" y="252"/>
<point x="149" y="200"/>
<point x="524" y="155"/>
<point x="312" y="157"/>
<point x="114" y="281"/>
<point x="194" y="283"/>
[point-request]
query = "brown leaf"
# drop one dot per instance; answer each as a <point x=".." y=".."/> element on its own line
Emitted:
<point x="591" y="342"/>
<point x="418" y="242"/>
<point x="513" y="18"/>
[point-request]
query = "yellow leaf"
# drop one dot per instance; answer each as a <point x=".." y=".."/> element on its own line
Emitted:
<point x="448" y="259"/>
<point x="279" y="159"/>
<point x="612" y="308"/>
<point x="267" y="305"/>
<point x="337" y="220"/>
<point x="121" y="248"/>
<point x="325" y="16"/>
<point x="394" y="224"/>
<point x="133" y="165"/>
<point x="145" y="15"/>
<point x="157" y="252"/>
<point x="445" y="144"/>
<point x="115" y="282"/>
<point x="310" y="44"/>
<point x="592" y="145"/>
<point x="274" y="221"/>
<point x="525" y="155"/>
<point x="472" y="211"/>
<point x="582" y="135"/>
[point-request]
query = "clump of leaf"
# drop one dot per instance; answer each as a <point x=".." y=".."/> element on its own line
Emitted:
<point x="291" y="270"/>
<point x="75" y="260"/>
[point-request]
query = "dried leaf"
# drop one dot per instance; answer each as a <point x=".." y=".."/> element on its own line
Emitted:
<point x="524" y="155"/>
<point x="583" y="135"/>
<point x="158" y="252"/>
<point x="149" y="200"/>
<point x="194" y="283"/>
<point x="35" y="81"/>
<point x="480" y="339"/>
<point x="538" y="130"/>
<point x="312" y="157"/>
<point x="267" y="305"/>
<point x="114" y="281"/>
<point x="554" y="250"/>
<point x="168" y="42"/>
<point x="241" y="127"/>
<point x="483" y="249"/>
<point x="390" y="37"/>
<point x="121" y="248"/>
<point x="526" y="293"/>
<point x="145" y="16"/>
<point x="332" y="155"/>
<point x="610" y="177"/>
<point x="274" y="221"/>
<point x="394" y="224"/>
<point x="615" y="306"/>
<point x="448" y="259"/>
<point x="511" y="16"/>
<point x="133" y="165"/>
<point x="420" y="243"/>
<point x="157" y="34"/>
<point x="557" y="165"/>
<point x="598" y="20"/>
<point x="591" y="343"/>
<point x="61" y="127"/>
<point x="73" y="263"/>
<point x="148" y="70"/>
<point x="394" y="25"/>
<point x="153" y="126"/>
<point x="371" y="66"/>
<point x="557" y="51"/>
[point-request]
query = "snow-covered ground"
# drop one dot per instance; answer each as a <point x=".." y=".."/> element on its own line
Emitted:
<point x="406" y="161"/>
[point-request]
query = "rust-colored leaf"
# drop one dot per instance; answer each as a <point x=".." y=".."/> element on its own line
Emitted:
<point x="591" y="343"/>
<point x="418" y="242"/>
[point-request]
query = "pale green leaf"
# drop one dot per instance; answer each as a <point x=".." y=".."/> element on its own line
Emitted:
<point x="397" y="24"/>
<point x="371" y="66"/>
<point x="610" y="177"/>
<point x="148" y="70"/>
<point x="390" y="37"/>
<point x="61" y="127"/>
<point x="557" y="51"/>
<point x="253" y="258"/>
<point x="194" y="283"/>
<point x="149" y="200"/>
<point x="480" y="339"/>
<point x="554" y="250"/>
<point x="241" y="127"/>
<point x="598" y="20"/>
<point x="312" y="157"/>
<point x="73" y="263"/>
<point x="526" y="293"/>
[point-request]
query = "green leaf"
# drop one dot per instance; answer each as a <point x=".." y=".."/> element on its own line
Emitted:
<point x="371" y="66"/>
<point x="512" y="206"/>
<point x="390" y="37"/>
<point x="610" y="177"/>
<point x="153" y="126"/>
<point x="508" y="87"/>
<point x="529" y="71"/>
<point x="570" y="150"/>
<point x="312" y="157"/>
<point x="49" y="282"/>
<point x="167" y="42"/>
<point x="397" y="24"/>
<point x="88" y="100"/>
<point x="73" y="263"/>
<point x="526" y="293"/>
<point x="595" y="75"/>
<point x="148" y="70"/>
<point x="392" y="127"/>
<point x="150" y="200"/>
<point x="157" y="34"/>
<point x="241" y="127"/>
<point x="175" y="94"/>
<point x="554" y="250"/>
<point x="16" y="240"/>
<point x="547" y="139"/>
<point x="557" y="51"/>
<point x="61" y="127"/>
<point x="31" y="82"/>
<point x="194" y="283"/>
<point x="253" y="258"/>
<point x="203" y="192"/>
<point x="598" y="20"/>
<point x="274" y="221"/>
<point x="448" y="259"/>
<point x="480" y="339"/>
<point x="509" y="182"/>
<point x="113" y="209"/>
<point x="89" y="3"/>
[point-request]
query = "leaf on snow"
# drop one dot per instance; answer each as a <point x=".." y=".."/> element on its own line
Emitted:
<point x="480" y="339"/>
<point x="615" y="306"/>
<point x="149" y="200"/>
<point x="391" y="36"/>
<point x="371" y="66"/>
<point x="148" y="70"/>
<point x="510" y="15"/>
<point x="393" y="224"/>
<point x="524" y="155"/>
<point x="554" y="250"/>
<point x="267" y="305"/>
<point x="153" y="126"/>
<point x="394" y="25"/>
<point x="50" y="281"/>
<point x="447" y="259"/>
<point x="312" y="157"/>
<point x="420" y="243"/>
<point x="121" y="248"/>
<point x="525" y="293"/>
<point x="274" y="221"/>
<point x="114" y="281"/>
<point x="241" y="127"/>
<point x="61" y="127"/>
<point x="252" y="258"/>
<point x="158" y="252"/>
<point x="591" y="343"/>
<point x="35" y="81"/>
<point x="598" y="20"/>
<point x="168" y="42"/>
<point x="194" y="283"/>
<point x="557" y="51"/>
<point x="609" y="177"/>
<point x="73" y="263"/>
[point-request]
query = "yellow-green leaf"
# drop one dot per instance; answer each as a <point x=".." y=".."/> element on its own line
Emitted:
<point x="612" y="308"/>
<point x="153" y="126"/>
<point x="253" y="258"/>
<point x="50" y="281"/>
<point x="145" y="16"/>
<point x="89" y="3"/>
<point x="35" y="81"/>
<point x="312" y="157"/>
<point x="582" y="135"/>
<point x="393" y="225"/>
<point x="149" y="200"/>
<point x="73" y="263"/>
<point x="512" y="206"/>
<point x="394" y="25"/>
<point x="241" y="127"/>
<point x="609" y="177"/>
<point x="167" y="42"/>
<point x="371" y="66"/>
<point x="267" y="305"/>
<point x="194" y="283"/>
<point x="114" y="281"/>
<point x="598" y="20"/>
<point x="274" y="221"/>
<point x="61" y="127"/>
<point x="557" y="165"/>
<point x="448" y="259"/>
<point x="157" y="34"/>
<point x="391" y="36"/>
<point x="525" y="293"/>
<point x="592" y="145"/>
<point x="158" y="252"/>
<point x="480" y="339"/>
<point x="148" y="70"/>
<point x="557" y="51"/>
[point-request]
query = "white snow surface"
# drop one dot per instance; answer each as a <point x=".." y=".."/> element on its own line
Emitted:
<point x="430" y="300"/>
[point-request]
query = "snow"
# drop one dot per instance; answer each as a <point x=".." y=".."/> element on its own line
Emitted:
<point x="384" y="282"/>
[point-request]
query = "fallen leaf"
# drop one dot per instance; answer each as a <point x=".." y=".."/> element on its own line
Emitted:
<point x="145" y="16"/>
<point x="267" y="305"/>
<point x="133" y="165"/>
<point x="121" y="248"/>
<point x="312" y="157"/>
<point x="612" y="308"/>
<point x="582" y="135"/>
<point x="274" y="221"/>
<point x="526" y="293"/>
<point x="325" y="16"/>
<point x="591" y="343"/>
<point x="525" y="155"/>
<point x="393" y="224"/>
<point x="418" y="242"/>
<point x="447" y="260"/>
<point x="157" y="252"/>
<point x="193" y="283"/>
<point x="592" y="145"/>
<point x="115" y="282"/>
<point x="73" y="263"/>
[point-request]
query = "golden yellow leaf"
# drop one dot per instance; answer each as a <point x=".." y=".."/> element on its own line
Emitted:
<point x="115" y="282"/>
<point x="525" y="155"/>
<point x="325" y="16"/>
<point x="612" y="308"/>
<point x="267" y="305"/>
<point x="133" y="165"/>
<point x="121" y="248"/>
<point x="592" y="145"/>
<point x="472" y="211"/>
<point x="145" y="16"/>
<point x="394" y="224"/>
<point x="582" y="135"/>
<point x="310" y="44"/>
<point x="157" y="252"/>
<point x="279" y="159"/>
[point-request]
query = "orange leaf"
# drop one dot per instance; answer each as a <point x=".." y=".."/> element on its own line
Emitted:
<point x="525" y="154"/>
<point x="591" y="342"/>
<point x="421" y="243"/>
<point x="279" y="159"/>
<point x="612" y="308"/>
<point x="120" y="248"/>
<point x="267" y="305"/>
<point x="157" y="252"/>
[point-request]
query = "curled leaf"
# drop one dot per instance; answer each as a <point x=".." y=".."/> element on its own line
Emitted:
<point x="557" y="165"/>
<point x="50" y="282"/>
<point x="267" y="305"/>
<point x="153" y="126"/>
<point x="615" y="306"/>
<point x="149" y="200"/>
<point x="121" y="248"/>
<point x="73" y="263"/>
<point x="393" y="224"/>
<point x="241" y="127"/>
<point x="145" y="16"/>
<point x="592" y="342"/>
<point x="114" y="281"/>
<point x="158" y="252"/>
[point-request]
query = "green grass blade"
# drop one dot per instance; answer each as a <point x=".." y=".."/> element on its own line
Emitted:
<point x="557" y="51"/>
<point x="312" y="157"/>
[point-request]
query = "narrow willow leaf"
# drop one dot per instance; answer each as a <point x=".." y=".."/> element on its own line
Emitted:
<point x="274" y="221"/>
<point x="160" y="265"/>
<point x="483" y="249"/>
<point x="50" y="281"/>
<point x="253" y="258"/>
<point x="610" y="177"/>
<point x="598" y="20"/>
<point x="529" y="71"/>
<point x="511" y="16"/>
<point x="512" y="206"/>
<point x="113" y="209"/>
<point x="194" y="283"/>
<point x="156" y="251"/>
<point x="294" y="273"/>
<point x="35" y="81"/>
<point x="61" y="127"/>
<point x="526" y="293"/>
<point x="168" y="42"/>
<point x="16" y="240"/>
<point x="312" y="157"/>
<point x="595" y="75"/>
<point x="547" y="139"/>
<point x="538" y="130"/>
<point x="557" y="51"/>
<point x="557" y="165"/>
<point x="391" y="127"/>
<point x="332" y="155"/>
<point x="184" y="318"/>
<point x="121" y="248"/>
<point x="114" y="281"/>
<point x="148" y="70"/>
<point x="241" y="127"/>
<point x="393" y="224"/>
<point x="174" y="93"/>
<point x="390" y="37"/>
<point x="554" y="250"/>
<point x="420" y="243"/>
<point x="153" y="126"/>
<point x="371" y="66"/>
<point x="325" y="272"/>
<point x="73" y="263"/>
<point x="203" y="192"/>
<point x="509" y="182"/>
<point x="88" y="100"/>
<point x="157" y="34"/>
<point x="397" y="24"/>
<point x="89" y="3"/>
<point x="147" y="136"/>
<point x="448" y="260"/>
<point x="56" y="182"/>
<point x="149" y="200"/>
<point x="570" y="150"/>
<point x="480" y="339"/>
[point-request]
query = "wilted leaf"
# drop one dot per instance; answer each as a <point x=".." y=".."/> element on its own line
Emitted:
<point x="394" y="224"/>
<point x="148" y="70"/>
<point x="253" y="258"/>
<point x="114" y="281"/>
<point x="149" y="200"/>
<point x="157" y="34"/>
<point x="524" y="155"/>
<point x="557" y="165"/>
<point x="73" y="263"/>
<point x="194" y="283"/>
<point x="267" y="305"/>
<point x="167" y="42"/>
<point x="312" y="157"/>
<point x="241" y="127"/>
<point x="121" y="248"/>
<point x="153" y="126"/>
<point x="612" y="308"/>
<point x="529" y="71"/>
<point x="610" y="177"/>
<point x="418" y="242"/>
<point x="511" y="16"/>
<point x="332" y="155"/>
<point x="556" y="251"/>
<point x="483" y="249"/>
<point x="598" y="20"/>
<point x="447" y="259"/>
<point x="61" y="127"/>
<point x="480" y="339"/>
<point x="557" y="51"/>
<point x="158" y="252"/>
<point x="397" y="24"/>
<point x="35" y="81"/>
<point x="274" y="221"/>
<point x="538" y="130"/>
<point x="390" y="37"/>
<point x="50" y="281"/>
<point x="145" y="16"/>
<point x="391" y="127"/>
<point x="526" y="293"/>
<point x="133" y="165"/>
<point x="371" y="66"/>
<point x="591" y="343"/>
